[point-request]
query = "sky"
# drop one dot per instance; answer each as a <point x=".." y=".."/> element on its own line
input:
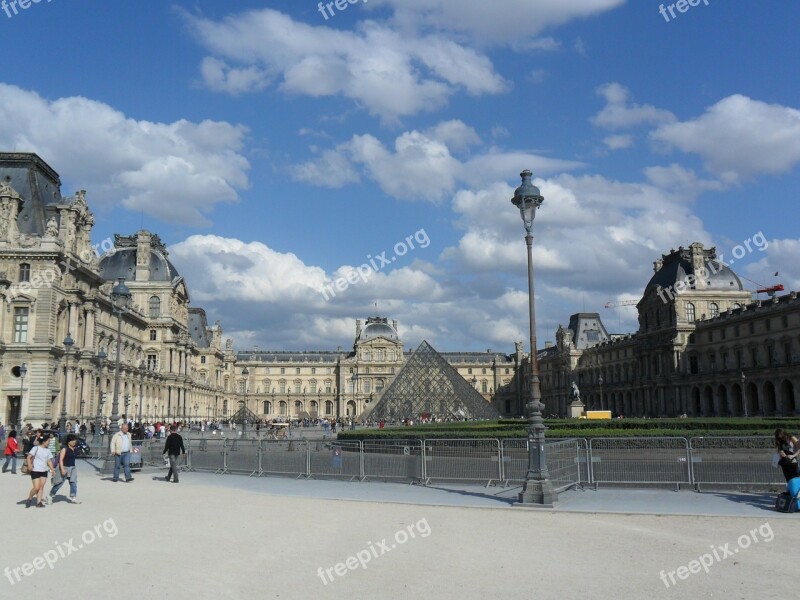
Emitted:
<point x="309" y="165"/>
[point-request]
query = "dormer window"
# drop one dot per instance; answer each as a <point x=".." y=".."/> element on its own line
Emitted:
<point x="155" y="307"/>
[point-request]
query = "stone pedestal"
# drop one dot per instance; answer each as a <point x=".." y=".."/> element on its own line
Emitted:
<point x="576" y="409"/>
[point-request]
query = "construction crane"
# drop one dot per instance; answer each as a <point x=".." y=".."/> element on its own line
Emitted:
<point x="621" y="303"/>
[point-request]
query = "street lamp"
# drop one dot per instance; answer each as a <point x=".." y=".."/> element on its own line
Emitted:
<point x="742" y="378"/>
<point x="600" y="381"/>
<point x="537" y="490"/>
<point x="68" y="343"/>
<point x="142" y="367"/>
<point x="245" y="373"/>
<point x="121" y="301"/>
<point x="99" y="361"/>
<point x="23" y="370"/>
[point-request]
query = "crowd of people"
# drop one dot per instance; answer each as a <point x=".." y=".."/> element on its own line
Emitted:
<point x="49" y="451"/>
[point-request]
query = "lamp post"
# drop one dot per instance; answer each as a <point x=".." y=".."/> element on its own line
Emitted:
<point x="600" y="381"/>
<point x="99" y="361"/>
<point x="245" y="373"/>
<point x="142" y="367"/>
<point x="23" y="370"/>
<point x="742" y="378"/>
<point x="354" y="379"/>
<point x="121" y="300"/>
<point x="537" y="490"/>
<point x="62" y="422"/>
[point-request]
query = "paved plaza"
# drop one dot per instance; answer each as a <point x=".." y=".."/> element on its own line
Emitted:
<point x="215" y="536"/>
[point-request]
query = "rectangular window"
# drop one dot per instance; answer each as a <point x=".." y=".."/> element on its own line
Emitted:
<point x="693" y="365"/>
<point x="754" y="357"/>
<point x="297" y="371"/>
<point x="24" y="272"/>
<point x="20" y="325"/>
<point x="202" y="360"/>
<point x="283" y="371"/>
<point x="283" y="387"/>
<point x="153" y="335"/>
<point x="767" y="324"/>
<point x="151" y="362"/>
<point x="787" y="352"/>
<point x="313" y="370"/>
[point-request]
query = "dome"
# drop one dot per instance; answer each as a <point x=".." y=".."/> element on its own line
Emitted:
<point x="677" y="267"/>
<point x="122" y="263"/>
<point x="377" y="327"/>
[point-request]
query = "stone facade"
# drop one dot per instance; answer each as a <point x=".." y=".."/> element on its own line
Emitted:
<point x="699" y="332"/>
<point x="54" y="283"/>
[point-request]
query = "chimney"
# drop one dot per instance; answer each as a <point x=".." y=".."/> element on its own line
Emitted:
<point x="698" y="266"/>
<point x="358" y="328"/>
<point x="143" y="256"/>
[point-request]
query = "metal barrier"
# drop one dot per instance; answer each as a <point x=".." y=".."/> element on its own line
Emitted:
<point x="335" y="459"/>
<point x="242" y="456"/>
<point x="640" y="460"/>
<point x="462" y="460"/>
<point x="567" y="461"/>
<point x="279" y="457"/>
<point x="393" y="460"/>
<point x="206" y="455"/>
<point x="734" y="460"/>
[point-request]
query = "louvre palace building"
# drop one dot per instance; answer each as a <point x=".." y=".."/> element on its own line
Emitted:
<point x="704" y="347"/>
<point x="56" y="287"/>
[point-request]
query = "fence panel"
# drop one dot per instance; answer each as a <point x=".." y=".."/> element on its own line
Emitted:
<point x="463" y="460"/>
<point x="393" y="460"/>
<point x="640" y="460"/>
<point x="206" y="454"/>
<point x="279" y="457"/>
<point x="242" y="456"/>
<point x="335" y="459"/>
<point x="567" y="461"/>
<point x="734" y="460"/>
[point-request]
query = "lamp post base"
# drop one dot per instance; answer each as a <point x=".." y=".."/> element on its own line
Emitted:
<point x="538" y="494"/>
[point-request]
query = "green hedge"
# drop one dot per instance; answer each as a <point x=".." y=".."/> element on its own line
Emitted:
<point x="551" y="433"/>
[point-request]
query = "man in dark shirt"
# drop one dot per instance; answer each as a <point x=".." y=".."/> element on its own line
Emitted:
<point x="173" y="448"/>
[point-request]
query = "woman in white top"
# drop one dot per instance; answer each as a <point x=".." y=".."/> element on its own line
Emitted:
<point x="41" y="460"/>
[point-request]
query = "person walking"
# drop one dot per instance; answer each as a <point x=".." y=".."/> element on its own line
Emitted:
<point x="66" y="470"/>
<point x="40" y="459"/>
<point x="121" y="446"/>
<point x="11" y="452"/>
<point x="173" y="448"/>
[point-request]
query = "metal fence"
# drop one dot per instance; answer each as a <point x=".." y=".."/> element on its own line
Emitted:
<point x="674" y="461"/>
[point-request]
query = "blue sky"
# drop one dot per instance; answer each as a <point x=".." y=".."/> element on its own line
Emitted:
<point x="275" y="150"/>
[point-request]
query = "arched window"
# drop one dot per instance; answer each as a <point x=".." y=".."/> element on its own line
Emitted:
<point x="267" y="407"/>
<point x="155" y="307"/>
<point x="328" y="407"/>
<point x="690" y="312"/>
<point x="283" y="408"/>
<point x="714" y="310"/>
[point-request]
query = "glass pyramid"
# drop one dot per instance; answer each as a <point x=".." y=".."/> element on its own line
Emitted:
<point x="245" y="415"/>
<point x="428" y="386"/>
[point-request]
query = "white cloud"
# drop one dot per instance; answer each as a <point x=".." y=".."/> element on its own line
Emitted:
<point x="618" y="114"/>
<point x="618" y="142"/>
<point x="496" y="21"/>
<point x="422" y="166"/>
<point x="739" y="138"/>
<point x="386" y="71"/>
<point x="177" y="172"/>
<point x="222" y="78"/>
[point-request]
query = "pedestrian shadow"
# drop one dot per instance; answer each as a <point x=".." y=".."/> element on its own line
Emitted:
<point x="762" y="501"/>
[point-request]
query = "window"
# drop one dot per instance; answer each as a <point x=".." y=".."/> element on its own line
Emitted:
<point x="690" y="312"/>
<point x="592" y="335"/>
<point x="469" y="371"/>
<point x="693" y="365"/>
<point x="283" y="371"/>
<point x="714" y="310"/>
<point x="283" y="407"/>
<point x="313" y="386"/>
<point x="736" y="331"/>
<point x="155" y="307"/>
<point x="752" y="327"/>
<point x="484" y="386"/>
<point x="508" y="371"/>
<point x="297" y="371"/>
<point x="267" y="407"/>
<point x="785" y="321"/>
<point x="367" y="355"/>
<point x="282" y="386"/>
<point x="787" y="353"/>
<point x="723" y="333"/>
<point x="20" y="325"/>
<point x="153" y="335"/>
<point x="379" y="385"/>
<point x="367" y="386"/>
<point x="313" y="370"/>
<point x="241" y="386"/>
<point x="296" y="386"/>
<point x="483" y="371"/>
<point x="24" y="272"/>
<point x="754" y="357"/>
<point x="328" y="384"/>
<point x="768" y="324"/>
<point x="202" y="360"/>
<point x="328" y="407"/>
<point x="152" y="362"/>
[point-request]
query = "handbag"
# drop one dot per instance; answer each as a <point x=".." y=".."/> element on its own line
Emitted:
<point x="28" y="466"/>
